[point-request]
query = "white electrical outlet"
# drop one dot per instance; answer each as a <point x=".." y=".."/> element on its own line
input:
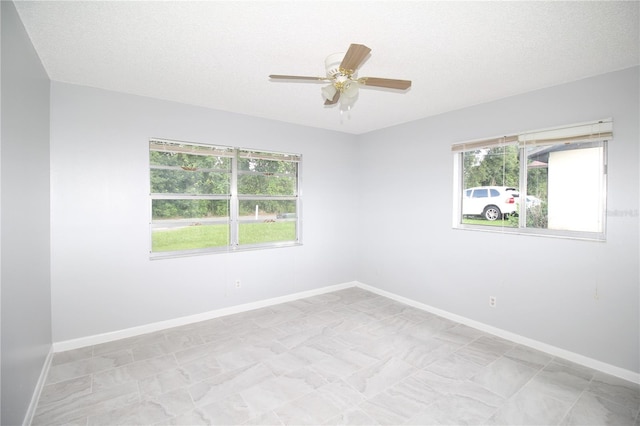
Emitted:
<point x="492" y="301"/>
<point x="238" y="284"/>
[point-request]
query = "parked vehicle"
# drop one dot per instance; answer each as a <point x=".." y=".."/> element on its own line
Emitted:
<point x="490" y="202"/>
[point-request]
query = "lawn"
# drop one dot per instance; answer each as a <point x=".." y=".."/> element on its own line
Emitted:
<point x="480" y="221"/>
<point x="205" y="236"/>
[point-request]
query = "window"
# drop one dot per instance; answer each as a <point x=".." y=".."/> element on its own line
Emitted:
<point x="212" y="198"/>
<point x="549" y="182"/>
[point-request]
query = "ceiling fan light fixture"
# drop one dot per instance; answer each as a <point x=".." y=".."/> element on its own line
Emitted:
<point x="350" y="90"/>
<point x="328" y="92"/>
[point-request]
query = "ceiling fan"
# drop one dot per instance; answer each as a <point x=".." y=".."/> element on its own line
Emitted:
<point x="343" y="79"/>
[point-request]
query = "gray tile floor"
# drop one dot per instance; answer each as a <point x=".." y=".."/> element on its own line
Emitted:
<point x="347" y="357"/>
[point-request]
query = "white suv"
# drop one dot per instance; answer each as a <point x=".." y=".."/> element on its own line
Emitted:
<point x="491" y="202"/>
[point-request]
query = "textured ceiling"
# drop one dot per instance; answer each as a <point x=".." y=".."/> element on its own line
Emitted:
<point x="219" y="54"/>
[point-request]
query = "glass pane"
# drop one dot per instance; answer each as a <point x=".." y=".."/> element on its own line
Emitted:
<point x="254" y="184"/>
<point x="565" y="187"/>
<point x="262" y="210"/>
<point x="179" y="181"/>
<point x="259" y="176"/>
<point x="271" y="221"/>
<point x="537" y="188"/>
<point x="190" y="161"/>
<point x="267" y="162"/>
<point x="189" y="237"/>
<point x="167" y="153"/>
<point x="490" y="186"/>
<point x="189" y="224"/>
<point x="267" y="232"/>
<point x="190" y="210"/>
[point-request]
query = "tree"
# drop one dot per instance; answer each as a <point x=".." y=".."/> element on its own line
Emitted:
<point x="497" y="166"/>
<point x="203" y="172"/>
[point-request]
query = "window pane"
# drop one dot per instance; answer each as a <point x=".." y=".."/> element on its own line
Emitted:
<point x="497" y="166"/>
<point x="179" y="181"/>
<point x="259" y="176"/>
<point x="190" y="210"/>
<point x="276" y="221"/>
<point x="189" y="224"/>
<point x="190" y="237"/>
<point x="480" y="193"/>
<point x="258" y="162"/>
<point x="267" y="209"/>
<point x="490" y="182"/>
<point x="267" y="232"/>
<point x="251" y="184"/>
<point x="536" y="198"/>
<point x="184" y="154"/>
<point x="565" y="187"/>
<point x="188" y="161"/>
<point x="189" y="169"/>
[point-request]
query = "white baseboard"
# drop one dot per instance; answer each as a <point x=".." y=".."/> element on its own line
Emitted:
<point x="82" y="342"/>
<point x="31" y="410"/>
<point x="535" y="344"/>
<point x="162" y="325"/>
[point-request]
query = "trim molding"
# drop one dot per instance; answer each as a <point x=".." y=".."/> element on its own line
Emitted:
<point x="31" y="410"/>
<point x="157" y="326"/>
<point x="96" y="339"/>
<point x="535" y="344"/>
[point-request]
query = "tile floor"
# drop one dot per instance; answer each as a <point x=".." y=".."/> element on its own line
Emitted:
<point x="347" y="357"/>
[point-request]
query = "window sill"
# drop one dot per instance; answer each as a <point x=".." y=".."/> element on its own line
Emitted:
<point x="569" y="235"/>
<point x="221" y="250"/>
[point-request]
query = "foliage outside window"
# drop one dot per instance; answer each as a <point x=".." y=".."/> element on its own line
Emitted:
<point x="549" y="182"/>
<point x="210" y="198"/>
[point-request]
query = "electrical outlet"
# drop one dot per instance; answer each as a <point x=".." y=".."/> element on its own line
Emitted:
<point x="492" y="301"/>
<point x="238" y="283"/>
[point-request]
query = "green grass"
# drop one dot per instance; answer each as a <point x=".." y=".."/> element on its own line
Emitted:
<point x="206" y="236"/>
<point x="189" y="238"/>
<point x="479" y="221"/>
<point x="255" y="233"/>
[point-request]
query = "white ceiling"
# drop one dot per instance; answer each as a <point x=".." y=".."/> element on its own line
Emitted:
<point x="218" y="54"/>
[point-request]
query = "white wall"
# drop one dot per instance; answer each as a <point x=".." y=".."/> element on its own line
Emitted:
<point x="102" y="278"/>
<point x="24" y="240"/>
<point x="545" y="287"/>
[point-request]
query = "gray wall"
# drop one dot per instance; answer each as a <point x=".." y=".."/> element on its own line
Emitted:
<point x="545" y="287"/>
<point x="25" y="229"/>
<point x="102" y="278"/>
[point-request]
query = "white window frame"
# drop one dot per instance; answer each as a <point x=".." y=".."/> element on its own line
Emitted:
<point x="597" y="132"/>
<point x="233" y="198"/>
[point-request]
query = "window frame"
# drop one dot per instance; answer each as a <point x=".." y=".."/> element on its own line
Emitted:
<point x="233" y="199"/>
<point x="599" y="133"/>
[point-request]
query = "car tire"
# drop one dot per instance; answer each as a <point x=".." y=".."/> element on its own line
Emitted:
<point x="492" y="213"/>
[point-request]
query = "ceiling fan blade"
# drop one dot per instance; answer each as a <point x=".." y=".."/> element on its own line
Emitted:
<point x="390" y="83"/>
<point x="334" y="100"/>
<point x="354" y="57"/>
<point x="296" y="77"/>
